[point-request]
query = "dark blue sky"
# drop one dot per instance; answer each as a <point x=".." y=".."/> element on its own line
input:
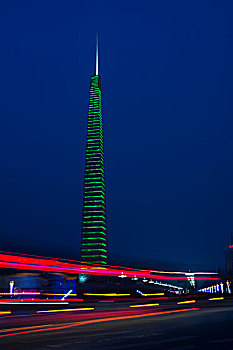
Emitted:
<point x="167" y="76"/>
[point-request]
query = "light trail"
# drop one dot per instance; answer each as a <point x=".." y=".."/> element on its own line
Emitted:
<point x="32" y="302"/>
<point x="96" y="266"/>
<point x="59" y="294"/>
<point x="151" y="294"/>
<point x="62" y="310"/>
<point x="100" y="320"/>
<point x="107" y="294"/>
<point x="5" y="312"/>
<point x="24" y="328"/>
<point x="144" y="305"/>
<point x="33" y="263"/>
<point x="186" y="302"/>
<point x="221" y="298"/>
<point x="21" y="293"/>
<point x="55" y="301"/>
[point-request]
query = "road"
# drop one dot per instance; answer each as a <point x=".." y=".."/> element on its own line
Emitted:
<point x="201" y="325"/>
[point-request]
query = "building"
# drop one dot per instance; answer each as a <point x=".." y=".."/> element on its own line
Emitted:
<point x="229" y="262"/>
<point x="93" y="232"/>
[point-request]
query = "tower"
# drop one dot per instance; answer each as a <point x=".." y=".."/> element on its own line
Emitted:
<point x="93" y="233"/>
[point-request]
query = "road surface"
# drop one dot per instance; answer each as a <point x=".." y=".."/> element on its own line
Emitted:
<point x="201" y="325"/>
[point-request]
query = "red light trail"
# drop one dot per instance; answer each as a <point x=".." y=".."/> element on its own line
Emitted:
<point x="14" y="261"/>
<point x="82" y="323"/>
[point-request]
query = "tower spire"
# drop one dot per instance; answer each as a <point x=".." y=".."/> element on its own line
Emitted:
<point x="97" y="57"/>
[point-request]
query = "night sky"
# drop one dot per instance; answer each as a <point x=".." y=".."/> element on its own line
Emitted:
<point x="167" y="87"/>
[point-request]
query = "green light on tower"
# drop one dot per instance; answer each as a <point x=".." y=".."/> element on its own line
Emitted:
<point x="93" y="220"/>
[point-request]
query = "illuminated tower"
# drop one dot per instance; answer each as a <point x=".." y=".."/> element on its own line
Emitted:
<point x="94" y="234"/>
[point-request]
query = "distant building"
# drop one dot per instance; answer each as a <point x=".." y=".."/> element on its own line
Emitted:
<point x="229" y="261"/>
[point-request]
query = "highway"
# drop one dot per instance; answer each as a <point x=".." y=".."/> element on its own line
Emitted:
<point x="195" y="324"/>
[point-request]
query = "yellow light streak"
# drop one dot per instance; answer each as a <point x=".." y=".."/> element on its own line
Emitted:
<point x="216" y="298"/>
<point x="187" y="302"/>
<point x="144" y="305"/>
<point x="107" y="294"/>
<point x="82" y="309"/>
<point x="5" y="312"/>
<point x="147" y="295"/>
<point x="74" y="295"/>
